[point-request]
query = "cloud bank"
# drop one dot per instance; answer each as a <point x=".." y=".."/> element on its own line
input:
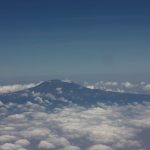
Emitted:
<point x="128" y="87"/>
<point x="101" y="127"/>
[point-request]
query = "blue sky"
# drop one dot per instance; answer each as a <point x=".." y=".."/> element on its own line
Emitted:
<point x="76" y="39"/>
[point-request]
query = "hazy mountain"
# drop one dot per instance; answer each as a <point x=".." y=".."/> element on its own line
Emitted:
<point x="62" y="93"/>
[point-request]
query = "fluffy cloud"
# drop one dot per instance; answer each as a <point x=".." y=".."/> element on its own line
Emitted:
<point x="99" y="147"/>
<point x="71" y="148"/>
<point x="15" y="87"/>
<point x="45" y="145"/>
<point x="7" y="138"/>
<point x="111" y="83"/>
<point x="90" y="86"/>
<point x="9" y="146"/>
<point x="74" y="128"/>
<point x="35" y="133"/>
<point x="147" y="87"/>
<point x="22" y="142"/>
<point x="128" y="84"/>
<point x="128" y="87"/>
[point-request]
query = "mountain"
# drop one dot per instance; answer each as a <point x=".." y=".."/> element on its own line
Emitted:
<point x="62" y="93"/>
<point x="60" y="115"/>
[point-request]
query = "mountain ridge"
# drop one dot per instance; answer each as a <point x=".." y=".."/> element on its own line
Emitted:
<point x="66" y="92"/>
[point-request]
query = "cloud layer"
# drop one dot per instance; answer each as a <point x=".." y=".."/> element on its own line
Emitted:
<point x="141" y="87"/>
<point x="101" y="127"/>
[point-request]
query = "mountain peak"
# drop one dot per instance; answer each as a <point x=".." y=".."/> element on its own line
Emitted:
<point x="73" y="93"/>
<point x="58" y="81"/>
<point x="51" y="85"/>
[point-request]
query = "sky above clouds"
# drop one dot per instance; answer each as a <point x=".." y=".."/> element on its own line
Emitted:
<point x="96" y="39"/>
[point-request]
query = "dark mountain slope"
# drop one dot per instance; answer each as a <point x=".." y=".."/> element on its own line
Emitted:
<point x="57" y="92"/>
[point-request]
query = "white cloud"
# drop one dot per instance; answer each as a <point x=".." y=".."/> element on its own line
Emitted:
<point x="67" y="81"/>
<point x="99" y="147"/>
<point x="90" y="86"/>
<point x="9" y="146"/>
<point x="7" y="138"/>
<point x="74" y="128"/>
<point x="39" y="100"/>
<point x="15" y="87"/>
<point x="142" y="83"/>
<point x="109" y="83"/>
<point x="59" y="90"/>
<point x="128" y="87"/>
<point x="147" y="87"/>
<point x="45" y="145"/>
<point x="128" y="84"/>
<point x="51" y="96"/>
<point x="58" y="141"/>
<point x="119" y="90"/>
<point x="22" y="142"/>
<point x="70" y="148"/>
<point x="35" y="133"/>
